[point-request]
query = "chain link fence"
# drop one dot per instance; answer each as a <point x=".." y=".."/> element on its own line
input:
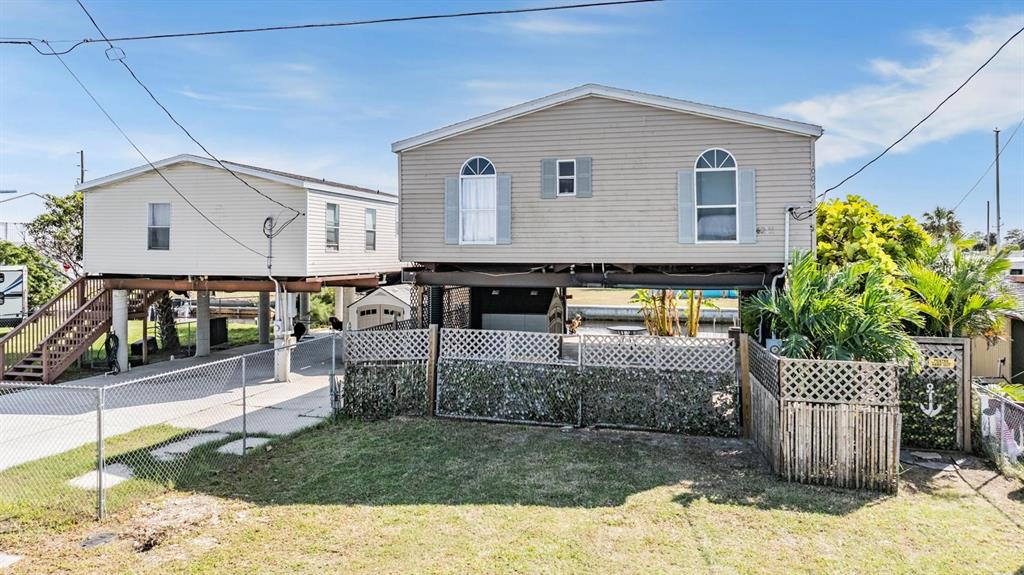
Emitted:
<point x="999" y="429"/>
<point x="70" y="452"/>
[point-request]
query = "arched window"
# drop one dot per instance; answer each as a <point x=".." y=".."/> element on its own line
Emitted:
<point x="478" y="189"/>
<point x="715" y="186"/>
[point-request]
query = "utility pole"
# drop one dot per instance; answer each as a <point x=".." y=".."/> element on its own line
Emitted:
<point x="81" y="166"/>
<point x="999" y="222"/>
<point x="988" y="224"/>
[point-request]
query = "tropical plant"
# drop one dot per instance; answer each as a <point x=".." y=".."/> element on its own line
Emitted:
<point x="959" y="293"/>
<point x="1015" y="237"/>
<point x="167" y="323"/>
<point x="57" y="232"/>
<point x="659" y="310"/>
<point x="854" y="230"/>
<point x="942" y="223"/>
<point x="854" y="312"/>
<point x="44" y="279"/>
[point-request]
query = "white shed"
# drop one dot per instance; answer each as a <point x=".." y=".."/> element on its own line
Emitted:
<point x="210" y="224"/>
<point x="383" y="305"/>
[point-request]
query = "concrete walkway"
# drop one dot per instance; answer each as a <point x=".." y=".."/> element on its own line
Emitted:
<point x="194" y="393"/>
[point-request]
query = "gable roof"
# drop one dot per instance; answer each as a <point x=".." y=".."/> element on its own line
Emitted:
<point x="306" y="182"/>
<point x="399" y="292"/>
<point x="749" y="118"/>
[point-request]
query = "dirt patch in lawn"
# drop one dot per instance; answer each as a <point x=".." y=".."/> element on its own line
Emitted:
<point x="158" y="521"/>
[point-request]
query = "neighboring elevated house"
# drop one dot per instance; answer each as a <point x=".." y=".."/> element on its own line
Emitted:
<point x="598" y="186"/>
<point x="1003" y="357"/>
<point x="143" y="236"/>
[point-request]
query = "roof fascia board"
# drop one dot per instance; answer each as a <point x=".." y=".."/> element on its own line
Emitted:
<point x="749" y="118"/>
<point x="336" y="191"/>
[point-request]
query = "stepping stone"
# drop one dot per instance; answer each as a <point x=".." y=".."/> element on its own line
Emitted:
<point x="926" y="455"/>
<point x="8" y="560"/>
<point x="936" y="466"/>
<point x="97" y="539"/>
<point x="112" y="475"/>
<point x="172" y="451"/>
<point x="235" y="447"/>
<point x="320" y="412"/>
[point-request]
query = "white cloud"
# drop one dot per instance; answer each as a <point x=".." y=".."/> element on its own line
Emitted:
<point x="560" y="26"/>
<point x="865" y="119"/>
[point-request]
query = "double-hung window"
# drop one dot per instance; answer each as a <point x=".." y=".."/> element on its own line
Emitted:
<point x="715" y="186"/>
<point x="478" y="189"/>
<point x="566" y="177"/>
<point x="371" y="229"/>
<point x="332" y="228"/>
<point x="159" y="227"/>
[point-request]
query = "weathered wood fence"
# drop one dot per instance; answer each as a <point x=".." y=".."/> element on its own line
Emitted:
<point x="827" y="422"/>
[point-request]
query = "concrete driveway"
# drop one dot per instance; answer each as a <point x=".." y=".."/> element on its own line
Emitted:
<point x="191" y="394"/>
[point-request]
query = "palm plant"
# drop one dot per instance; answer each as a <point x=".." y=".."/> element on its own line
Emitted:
<point x="850" y="313"/>
<point x="942" y="223"/>
<point x="659" y="310"/>
<point x="960" y="294"/>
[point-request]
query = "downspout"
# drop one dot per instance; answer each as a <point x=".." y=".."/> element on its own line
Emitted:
<point x="785" y="243"/>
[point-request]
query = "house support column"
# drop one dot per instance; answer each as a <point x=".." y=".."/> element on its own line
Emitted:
<point x="339" y="304"/>
<point x="119" y="325"/>
<point x="263" y="317"/>
<point x="435" y="305"/>
<point x="304" y="308"/>
<point x="202" y="323"/>
<point x="348" y="297"/>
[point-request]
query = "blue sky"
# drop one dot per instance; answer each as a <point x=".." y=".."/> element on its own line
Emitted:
<point x="329" y="102"/>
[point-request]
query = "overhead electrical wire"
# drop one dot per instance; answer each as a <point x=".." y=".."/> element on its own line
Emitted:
<point x="811" y="211"/>
<point x="993" y="163"/>
<point x="153" y="97"/>
<point x="146" y="158"/>
<point x="32" y="41"/>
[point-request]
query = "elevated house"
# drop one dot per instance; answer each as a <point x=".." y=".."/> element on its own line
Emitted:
<point x="195" y="224"/>
<point x="603" y="187"/>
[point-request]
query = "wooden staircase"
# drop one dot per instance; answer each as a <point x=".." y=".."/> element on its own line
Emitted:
<point x="44" y="345"/>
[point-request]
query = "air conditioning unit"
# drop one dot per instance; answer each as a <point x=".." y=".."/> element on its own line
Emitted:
<point x="409" y="276"/>
<point x="774" y="346"/>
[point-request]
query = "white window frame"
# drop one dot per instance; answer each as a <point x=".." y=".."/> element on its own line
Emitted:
<point x="337" y="226"/>
<point x="494" y="177"/>
<point x="150" y="226"/>
<point x="367" y="229"/>
<point x="697" y="206"/>
<point x="559" y="177"/>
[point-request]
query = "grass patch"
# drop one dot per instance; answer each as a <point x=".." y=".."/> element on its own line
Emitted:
<point x="615" y="296"/>
<point x="430" y="495"/>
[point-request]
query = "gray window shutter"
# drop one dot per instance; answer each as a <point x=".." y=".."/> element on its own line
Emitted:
<point x="687" y="207"/>
<point x="584" y="180"/>
<point x="548" y="180"/>
<point x="503" y="233"/>
<point x="746" y="225"/>
<point x="451" y="209"/>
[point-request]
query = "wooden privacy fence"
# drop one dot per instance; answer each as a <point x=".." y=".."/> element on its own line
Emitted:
<point x="828" y="422"/>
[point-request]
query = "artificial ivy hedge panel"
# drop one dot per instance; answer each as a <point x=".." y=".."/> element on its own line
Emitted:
<point x="382" y="390"/>
<point x="508" y="391"/>
<point x="918" y="428"/>
<point x="691" y="402"/>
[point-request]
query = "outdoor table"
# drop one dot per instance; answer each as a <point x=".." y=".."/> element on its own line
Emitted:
<point x="627" y="330"/>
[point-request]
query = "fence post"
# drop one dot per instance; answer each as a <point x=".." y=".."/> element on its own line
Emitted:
<point x="100" y="495"/>
<point x="245" y="411"/>
<point x="580" y="382"/>
<point x="966" y="407"/>
<point x="744" y="367"/>
<point x="332" y="377"/>
<point x="433" y="349"/>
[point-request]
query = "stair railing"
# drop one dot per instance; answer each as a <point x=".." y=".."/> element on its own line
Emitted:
<point x="57" y="354"/>
<point x="28" y="336"/>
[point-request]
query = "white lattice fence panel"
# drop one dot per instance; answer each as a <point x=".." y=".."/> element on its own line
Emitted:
<point x="670" y="353"/>
<point x="410" y="344"/>
<point x="496" y="345"/>
<point x="765" y="367"/>
<point x="828" y="381"/>
<point x="941" y="350"/>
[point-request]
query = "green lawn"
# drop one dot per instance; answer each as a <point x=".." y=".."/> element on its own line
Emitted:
<point x="432" y="496"/>
<point x="615" y="296"/>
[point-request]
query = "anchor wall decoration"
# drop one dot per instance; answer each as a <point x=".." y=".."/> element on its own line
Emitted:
<point x="932" y="410"/>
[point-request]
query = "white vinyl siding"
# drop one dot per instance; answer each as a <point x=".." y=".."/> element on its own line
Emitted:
<point x="116" y="230"/>
<point x="632" y="217"/>
<point x="352" y="256"/>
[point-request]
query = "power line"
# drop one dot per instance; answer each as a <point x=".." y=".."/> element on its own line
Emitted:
<point x="30" y="41"/>
<point x="993" y="163"/>
<point x="144" y="157"/>
<point x="179" y="124"/>
<point x="914" y="127"/>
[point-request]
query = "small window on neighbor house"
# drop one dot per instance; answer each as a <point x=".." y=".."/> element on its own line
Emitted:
<point x="567" y="177"/>
<point x="371" y="229"/>
<point x="332" y="228"/>
<point x="715" y="186"/>
<point x="159" y="227"/>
